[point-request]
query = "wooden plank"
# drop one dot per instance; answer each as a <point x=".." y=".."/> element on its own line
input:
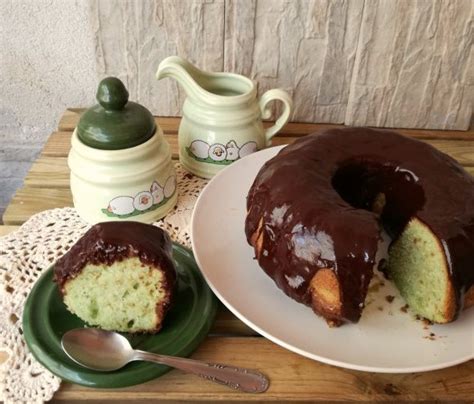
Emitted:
<point x="48" y="172"/>
<point x="4" y="229"/>
<point x="227" y="324"/>
<point x="292" y="377"/>
<point x="29" y="201"/>
<point x="70" y="119"/>
<point x="59" y="144"/>
<point x="170" y="125"/>
<point x="461" y="150"/>
<point x="46" y="188"/>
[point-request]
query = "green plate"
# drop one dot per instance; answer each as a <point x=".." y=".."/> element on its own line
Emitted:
<point x="46" y="319"/>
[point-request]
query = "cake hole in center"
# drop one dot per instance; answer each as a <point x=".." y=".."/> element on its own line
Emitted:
<point x="388" y="190"/>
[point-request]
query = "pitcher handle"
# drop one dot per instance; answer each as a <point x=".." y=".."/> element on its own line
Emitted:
<point x="272" y="95"/>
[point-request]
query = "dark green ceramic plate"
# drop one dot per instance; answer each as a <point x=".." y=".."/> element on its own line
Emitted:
<point x="46" y="319"/>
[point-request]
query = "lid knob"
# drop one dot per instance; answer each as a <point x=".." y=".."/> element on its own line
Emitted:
<point x="112" y="94"/>
<point x="115" y="123"/>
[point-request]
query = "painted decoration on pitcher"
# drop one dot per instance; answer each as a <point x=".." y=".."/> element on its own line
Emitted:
<point x="219" y="153"/>
<point x="125" y="207"/>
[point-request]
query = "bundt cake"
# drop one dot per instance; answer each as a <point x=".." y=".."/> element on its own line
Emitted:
<point x="119" y="276"/>
<point x="315" y="211"/>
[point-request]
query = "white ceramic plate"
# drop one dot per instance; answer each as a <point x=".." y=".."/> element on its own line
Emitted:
<point x="385" y="340"/>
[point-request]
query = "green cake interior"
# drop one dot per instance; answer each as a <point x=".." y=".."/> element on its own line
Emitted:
<point x="417" y="266"/>
<point x="121" y="297"/>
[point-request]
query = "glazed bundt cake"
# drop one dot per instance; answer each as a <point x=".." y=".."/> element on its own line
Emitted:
<point x="119" y="276"/>
<point x="316" y="209"/>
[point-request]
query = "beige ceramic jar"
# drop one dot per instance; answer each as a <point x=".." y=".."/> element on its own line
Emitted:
<point x="120" y="163"/>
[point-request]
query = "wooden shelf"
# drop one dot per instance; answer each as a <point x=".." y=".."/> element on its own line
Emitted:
<point x="293" y="378"/>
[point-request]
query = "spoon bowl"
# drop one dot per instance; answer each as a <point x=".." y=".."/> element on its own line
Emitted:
<point x="97" y="349"/>
<point x="107" y="351"/>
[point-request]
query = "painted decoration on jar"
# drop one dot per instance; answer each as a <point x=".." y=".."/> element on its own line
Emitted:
<point x="124" y="207"/>
<point x="218" y="153"/>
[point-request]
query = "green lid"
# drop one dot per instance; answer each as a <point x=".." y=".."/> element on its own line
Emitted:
<point x="115" y="123"/>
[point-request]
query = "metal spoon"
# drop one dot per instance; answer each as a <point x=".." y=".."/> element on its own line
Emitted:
<point x="106" y="351"/>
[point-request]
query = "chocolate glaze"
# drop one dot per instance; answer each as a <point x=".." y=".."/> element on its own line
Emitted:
<point x="108" y="242"/>
<point x="316" y="197"/>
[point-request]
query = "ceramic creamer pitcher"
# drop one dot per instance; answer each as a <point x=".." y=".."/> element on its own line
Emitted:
<point x="120" y="162"/>
<point x="222" y="118"/>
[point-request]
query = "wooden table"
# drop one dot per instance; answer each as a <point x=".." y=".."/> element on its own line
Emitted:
<point x="293" y="378"/>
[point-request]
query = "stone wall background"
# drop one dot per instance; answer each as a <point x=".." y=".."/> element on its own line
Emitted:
<point x="47" y="63"/>
<point x="361" y="62"/>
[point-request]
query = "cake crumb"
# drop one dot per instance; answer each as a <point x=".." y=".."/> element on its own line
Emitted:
<point x="404" y="309"/>
<point x="431" y="337"/>
<point x="389" y="298"/>
<point x="375" y="287"/>
<point x="368" y="301"/>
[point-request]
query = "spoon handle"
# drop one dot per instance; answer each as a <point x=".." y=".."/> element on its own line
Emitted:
<point x="247" y="380"/>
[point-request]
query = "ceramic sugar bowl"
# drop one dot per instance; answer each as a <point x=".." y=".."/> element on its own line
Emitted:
<point x="120" y="163"/>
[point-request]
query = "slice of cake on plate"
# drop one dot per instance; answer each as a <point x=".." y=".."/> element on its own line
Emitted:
<point x="119" y="276"/>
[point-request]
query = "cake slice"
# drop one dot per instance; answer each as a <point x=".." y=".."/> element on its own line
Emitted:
<point x="119" y="276"/>
<point x="417" y="264"/>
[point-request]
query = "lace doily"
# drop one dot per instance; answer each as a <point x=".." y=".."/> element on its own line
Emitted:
<point x="26" y="253"/>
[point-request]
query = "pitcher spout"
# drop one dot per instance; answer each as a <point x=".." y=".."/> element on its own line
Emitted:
<point x="215" y="89"/>
<point x="187" y="75"/>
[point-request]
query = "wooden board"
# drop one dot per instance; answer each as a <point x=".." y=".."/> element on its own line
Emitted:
<point x="170" y="125"/>
<point x="48" y="172"/>
<point x="59" y="144"/>
<point x="57" y="171"/>
<point x="28" y="201"/>
<point x="46" y="185"/>
<point x="4" y="230"/>
<point x="292" y="377"/>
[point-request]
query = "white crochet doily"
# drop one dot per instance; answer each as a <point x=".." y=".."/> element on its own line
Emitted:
<point x="30" y="250"/>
